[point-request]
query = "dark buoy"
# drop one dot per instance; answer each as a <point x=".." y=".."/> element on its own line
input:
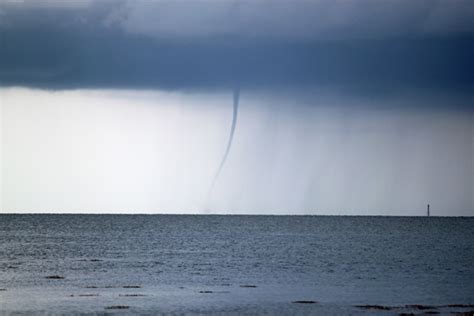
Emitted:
<point x="428" y="210"/>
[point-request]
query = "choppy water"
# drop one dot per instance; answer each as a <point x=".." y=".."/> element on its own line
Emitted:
<point x="198" y="264"/>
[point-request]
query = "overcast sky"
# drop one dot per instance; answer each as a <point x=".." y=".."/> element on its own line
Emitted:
<point x="347" y="107"/>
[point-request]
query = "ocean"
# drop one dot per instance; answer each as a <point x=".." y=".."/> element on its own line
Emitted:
<point x="210" y="264"/>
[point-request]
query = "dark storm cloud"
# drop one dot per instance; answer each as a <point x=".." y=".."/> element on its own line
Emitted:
<point x="384" y="46"/>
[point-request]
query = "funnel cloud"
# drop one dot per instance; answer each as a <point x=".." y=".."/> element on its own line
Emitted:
<point x="235" y="112"/>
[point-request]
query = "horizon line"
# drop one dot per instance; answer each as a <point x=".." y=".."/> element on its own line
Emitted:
<point x="227" y="214"/>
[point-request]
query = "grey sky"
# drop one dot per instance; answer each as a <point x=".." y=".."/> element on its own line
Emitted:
<point x="348" y="107"/>
<point x="310" y="20"/>
<point x="152" y="151"/>
<point x="359" y="46"/>
<point x="262" y="18"/>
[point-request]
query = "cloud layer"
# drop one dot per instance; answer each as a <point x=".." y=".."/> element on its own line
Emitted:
<point x="356" y="46"/>
<point x="301" y="19"/>
<point x="295" y="19"/>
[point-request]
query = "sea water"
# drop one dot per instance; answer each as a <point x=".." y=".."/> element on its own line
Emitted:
<point x="232" y="264"/>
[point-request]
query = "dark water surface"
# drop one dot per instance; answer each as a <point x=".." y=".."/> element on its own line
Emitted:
<point x="234" y="264"/>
